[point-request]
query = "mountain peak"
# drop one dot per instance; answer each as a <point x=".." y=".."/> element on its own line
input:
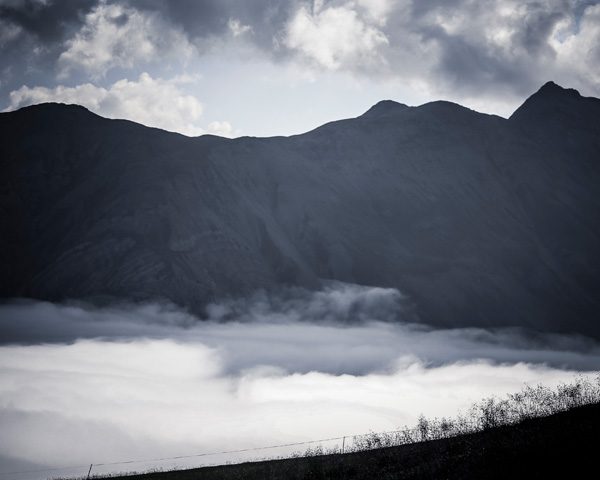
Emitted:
<point x="550" y="85"/>
<point x="54" y="107"/>
<point x="551" y="88"/>
<point x="384" y="108"/>
<point x="52" y="112"/>
<point x="550" y="100"/>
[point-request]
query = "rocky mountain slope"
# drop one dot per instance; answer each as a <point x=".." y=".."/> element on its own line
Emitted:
<point x="480" y="220"/>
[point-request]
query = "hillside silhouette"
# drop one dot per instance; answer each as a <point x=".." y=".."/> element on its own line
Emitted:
<point x="480" y="220"/>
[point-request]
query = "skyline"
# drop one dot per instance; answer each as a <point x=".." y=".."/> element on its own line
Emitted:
<point x="282" y="68"/>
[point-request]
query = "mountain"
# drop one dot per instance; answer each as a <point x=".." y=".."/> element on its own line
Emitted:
<point x="480" y="220"/>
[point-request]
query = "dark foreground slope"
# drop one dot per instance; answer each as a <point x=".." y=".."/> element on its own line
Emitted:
<point x="564" y="445"/>
<point x="480" y="220"/>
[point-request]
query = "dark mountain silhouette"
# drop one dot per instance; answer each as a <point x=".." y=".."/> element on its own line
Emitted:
<point x="480" y="220"/>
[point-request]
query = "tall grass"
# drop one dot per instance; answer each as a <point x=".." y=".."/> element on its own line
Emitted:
<point x="488" y="414"/>
<point x="531" y="402"/>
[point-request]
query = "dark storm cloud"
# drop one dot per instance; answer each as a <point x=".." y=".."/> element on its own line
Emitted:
<point x="537" y="27"/>
<point x="464" y="64"/>
<point x="48" y="21"/>
<point x="470" y="59"/>
<point x="471" y="47"/>
<point x="199" y="18"/>
<point x="53" y="20"/>
<point x="39" y="30"/>
<point x="210" y="18"/>
<point x="31" y="56"/>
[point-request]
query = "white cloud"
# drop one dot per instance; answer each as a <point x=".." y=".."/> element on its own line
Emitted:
<point x="221" y="128"/>
<point x="93" y="401"/>
<point x="577" y="46"/>
<point x="237" y="28"/>
<point x="118" y="36"/>
<point x="487" y="55"/>
<point x="289" y="367"/>
<point x="151" y="101"/>
<point x="335" y="37"/>
<point x="378" y="9"/>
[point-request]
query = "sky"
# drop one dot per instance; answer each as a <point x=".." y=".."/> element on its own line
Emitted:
<point x="282" y="67"/>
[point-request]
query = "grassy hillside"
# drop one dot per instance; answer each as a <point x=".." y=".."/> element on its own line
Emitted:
<point x="562" y="444"/>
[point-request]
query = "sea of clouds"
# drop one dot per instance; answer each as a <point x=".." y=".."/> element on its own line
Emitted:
<point x="82" y="384"/>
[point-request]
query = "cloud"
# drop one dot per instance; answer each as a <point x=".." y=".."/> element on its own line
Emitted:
<point x="334" y="37"/>
<point x="487" y="55"/>
<point x="488" y="46"/>
<point x="504" y="47"/>
<point x="349" y="329"/>
<point x="151" y="101"/>
<point x="237" y="28"/>
<point x="221" y="128"/>
<point x="31" y="36"/>
<point x="576" y="41"/>
<point x="93" y="402"/>
<point x="335" y="302"/>
<point x="210" y="20"/>
<point x="8" y="32"/>
<point x="83" y="384"/>
<point x="49" y="21"/>
<point x="117" y="36"/>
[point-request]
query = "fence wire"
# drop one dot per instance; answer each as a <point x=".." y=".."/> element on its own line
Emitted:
<point x="349" y="443"/>
<point x="532" y="402"/>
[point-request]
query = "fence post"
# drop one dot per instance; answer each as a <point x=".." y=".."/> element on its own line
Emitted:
<point x="89" y="471"/>
<point x="343" y="445"/>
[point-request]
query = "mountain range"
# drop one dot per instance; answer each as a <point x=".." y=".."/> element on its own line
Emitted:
<point x="480" y="220"/>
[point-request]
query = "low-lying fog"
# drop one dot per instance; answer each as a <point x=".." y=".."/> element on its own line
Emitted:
<point x="83" y="385"/>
